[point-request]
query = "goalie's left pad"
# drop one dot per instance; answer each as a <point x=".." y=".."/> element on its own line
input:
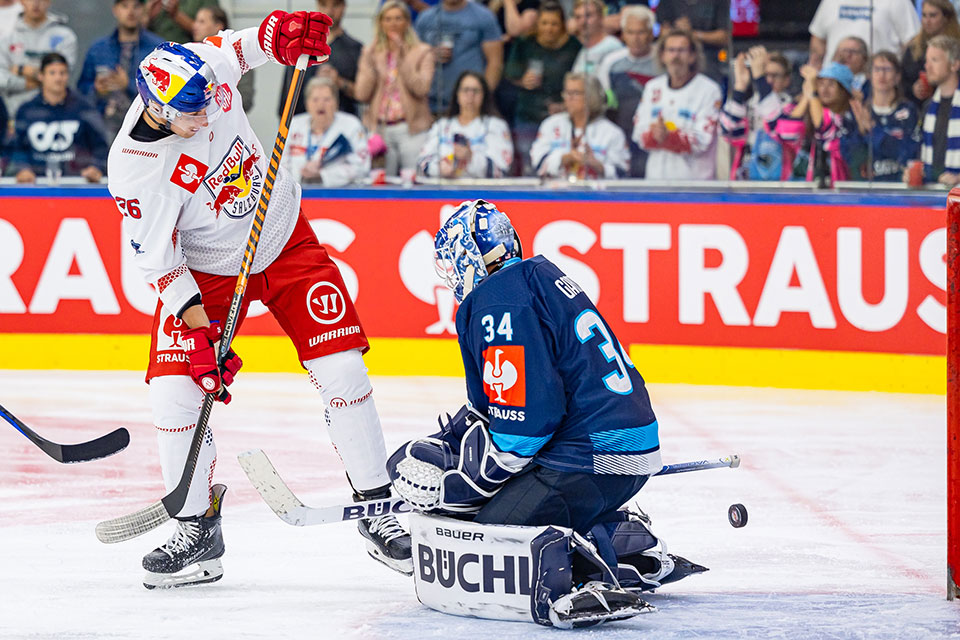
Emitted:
<point x="507" y="572"/>
<point x="454" y="471"/>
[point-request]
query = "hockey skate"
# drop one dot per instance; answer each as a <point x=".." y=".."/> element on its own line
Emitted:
<point x="198" y="541"/>
<point x="655" y="566"/>
<point x="387" y="541"/>
<point x="596" y="602"/>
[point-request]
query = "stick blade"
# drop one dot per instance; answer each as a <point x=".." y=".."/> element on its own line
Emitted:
<point x="130" y="526"/>
<point x="102" y="447"/>
<point x="271" y="487"/>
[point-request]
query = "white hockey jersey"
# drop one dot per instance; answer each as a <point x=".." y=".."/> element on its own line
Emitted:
<point x="191" y="202"/>
<point x="342" y="148"/>
<point x="690" y="113"/>
<point x="556" y="137"/>
<point x="491" y="147"/>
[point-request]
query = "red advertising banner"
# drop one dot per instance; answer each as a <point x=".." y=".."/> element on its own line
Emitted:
<point x="805" y="276"/>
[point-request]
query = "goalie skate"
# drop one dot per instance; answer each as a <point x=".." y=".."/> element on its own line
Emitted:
<point x="192" y="554"/>
<point x="594" y="603"/>
<point x="387" y="541"/>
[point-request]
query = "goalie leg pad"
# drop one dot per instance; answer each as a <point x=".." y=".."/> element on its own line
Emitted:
<point x="351" y="415"/>
<point x="175" y="402"/>
<point x="505" y="572"/>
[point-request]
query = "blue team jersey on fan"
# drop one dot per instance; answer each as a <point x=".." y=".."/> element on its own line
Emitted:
<point x="552" y="377"/>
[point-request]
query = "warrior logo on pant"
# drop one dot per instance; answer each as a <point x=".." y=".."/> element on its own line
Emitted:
<point x="325" y="303"/>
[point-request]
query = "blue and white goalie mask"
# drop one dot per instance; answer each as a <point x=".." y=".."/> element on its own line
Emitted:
<point x="477" y="237"/>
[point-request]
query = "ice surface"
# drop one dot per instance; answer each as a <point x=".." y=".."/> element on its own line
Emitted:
<point x="846" y="535"/>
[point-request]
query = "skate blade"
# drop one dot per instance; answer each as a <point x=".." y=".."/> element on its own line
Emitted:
<point x="202" y="573"/>
<point x="400" y="566"/>
<point x="589" y="619"/>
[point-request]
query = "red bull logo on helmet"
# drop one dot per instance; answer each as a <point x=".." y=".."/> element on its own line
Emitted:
<point x="166" y="82"/>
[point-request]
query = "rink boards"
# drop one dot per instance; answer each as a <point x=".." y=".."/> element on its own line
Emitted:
<point x="788" y="290"/>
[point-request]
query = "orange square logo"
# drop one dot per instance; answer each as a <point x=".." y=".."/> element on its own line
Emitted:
<point x="504" y="375"/>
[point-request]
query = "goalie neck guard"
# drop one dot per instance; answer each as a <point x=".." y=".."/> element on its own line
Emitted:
<point x="475" y="241"/>
<point x="177" y="86"/>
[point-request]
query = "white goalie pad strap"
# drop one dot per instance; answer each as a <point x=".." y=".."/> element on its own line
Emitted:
<point x="476" y="570"/>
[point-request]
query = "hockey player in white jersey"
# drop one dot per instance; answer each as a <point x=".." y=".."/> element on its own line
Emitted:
<point x="186" y="171"/>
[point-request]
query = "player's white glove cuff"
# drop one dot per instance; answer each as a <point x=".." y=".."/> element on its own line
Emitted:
<point x="418" y="483"/>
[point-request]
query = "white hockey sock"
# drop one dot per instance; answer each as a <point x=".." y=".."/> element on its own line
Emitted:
<point x="352" y="419"/>
<point x="175" y="401"/>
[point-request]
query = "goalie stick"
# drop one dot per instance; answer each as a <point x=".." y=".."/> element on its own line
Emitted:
<point x="278" y="496"/>
<point x="114" y="442"/>
<point x="132" y="525"/>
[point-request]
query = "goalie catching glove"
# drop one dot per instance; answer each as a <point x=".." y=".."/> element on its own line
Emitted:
<point x="199" y="345"/>
<point x="284" y="37"/>
<point x="454" y="471"/>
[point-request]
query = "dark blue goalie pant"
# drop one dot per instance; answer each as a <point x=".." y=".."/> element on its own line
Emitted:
<point x="541" y="496"/>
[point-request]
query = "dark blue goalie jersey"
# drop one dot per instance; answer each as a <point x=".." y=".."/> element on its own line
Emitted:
<point x="554" y="381"/>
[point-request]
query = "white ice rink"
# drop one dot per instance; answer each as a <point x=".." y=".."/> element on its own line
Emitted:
<point x="845" y="491"/>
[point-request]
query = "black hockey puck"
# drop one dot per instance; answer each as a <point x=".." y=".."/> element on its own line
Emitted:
<point x="737" y="515"/>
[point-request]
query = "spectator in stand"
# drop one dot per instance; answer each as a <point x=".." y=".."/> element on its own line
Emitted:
<point x="597" y="44"/>
<point x="172" y="20"/>
<point x="939" y="17"/>
<point x="580" y="143"/>
<point x="465" y="37"/>
<point x="9" y="12"/>
<point x="626" y="71"/>
<point x="519" y="17"/>
<point x="825" y="104"/>
<point x="886" y="134"/>
<point x="854" y="54"/>
<point x="416" y="7"/>
<point x="58" y="130"/>
<point x="394" y="76"/>
<point x="4" y="123"/>
<point x="940" y="150"/>
<point x="536" y="67"/>
<point x="708" y="21"/>
<point x="35" y="33"/>
<point x="894" y="23"/>
<point x="341" y="67"/>
<point x="676" y="122"/>
<point x="471" y="142"/>
<point x="109" y="75"/>
<point x="209" y="22"/>
<point x="757" y="155"/>
<point x="325" y="145"/>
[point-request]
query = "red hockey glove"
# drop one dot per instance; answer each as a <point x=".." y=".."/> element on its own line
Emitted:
<point x="199" y="345"/>
<point x="285" y="36"/>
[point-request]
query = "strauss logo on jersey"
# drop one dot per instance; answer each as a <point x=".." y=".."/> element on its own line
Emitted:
<point x="504" y="375"/>
<point x="235" y="183"/>
<point x="188" y="173"/>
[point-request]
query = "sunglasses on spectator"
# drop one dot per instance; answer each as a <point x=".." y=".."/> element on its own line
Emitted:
<point x="850" y="52"/>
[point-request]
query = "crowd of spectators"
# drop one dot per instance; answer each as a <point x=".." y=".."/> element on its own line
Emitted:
<point x="497" y="88"/>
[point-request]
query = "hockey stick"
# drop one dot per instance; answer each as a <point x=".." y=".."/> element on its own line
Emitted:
<point x="275" y="492"/>
<point x="134" y="524"/>
<point x="114" y="442"/>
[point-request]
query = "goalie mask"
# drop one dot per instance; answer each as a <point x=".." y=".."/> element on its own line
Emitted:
<point x="476" y="237"/>
<point x="178" y="87"/>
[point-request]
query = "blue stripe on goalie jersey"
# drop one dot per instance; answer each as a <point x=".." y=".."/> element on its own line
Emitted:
<point x="568" y="388"/>
<point x="523" y="446"/>
<point x="632" y="440"/>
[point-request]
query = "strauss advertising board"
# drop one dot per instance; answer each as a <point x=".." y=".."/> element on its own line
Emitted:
<point x="738" y="274"/>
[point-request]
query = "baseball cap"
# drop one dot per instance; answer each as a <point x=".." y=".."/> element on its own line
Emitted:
<point x="839" y="72"/>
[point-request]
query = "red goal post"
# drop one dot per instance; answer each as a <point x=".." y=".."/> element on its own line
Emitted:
<point x="953" y="393"/>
